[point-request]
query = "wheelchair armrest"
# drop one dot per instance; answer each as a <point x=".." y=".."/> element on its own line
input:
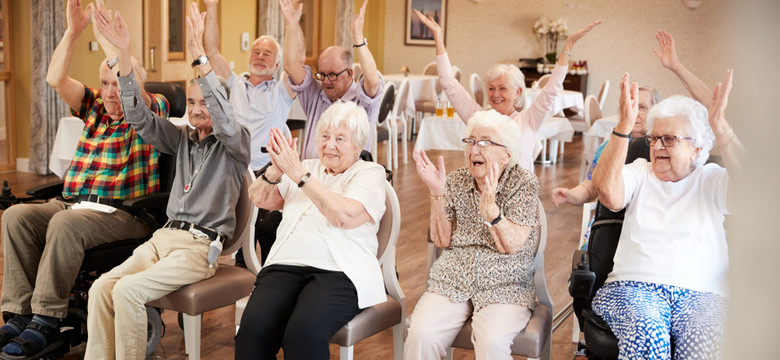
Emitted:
<point x="46" y="191"/>
<point x="582" y="279"/>
<point x="158" y="200"/>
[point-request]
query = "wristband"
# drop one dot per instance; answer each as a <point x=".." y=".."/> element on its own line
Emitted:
<point x="494" y="222"/>
<point x="269" y="181"/>
<point x="626" y="136"/>
<point x="111" y="63"/>
<point x="566" y="52"/>
<point x="437" y="197"/>
<point x="365" y="41"/>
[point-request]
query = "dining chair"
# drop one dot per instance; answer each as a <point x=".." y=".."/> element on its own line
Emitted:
<point x="229" y="284"/>
<point x="535" y="341"/>
<point x="399" y="123"/>
<point x="384" y="125"/>
<point x="426" y="103"/>
<point x="457" y="73"/>
<point x="603" y="94"/>
<point x="375" y="319"/>
<point x="430" y="69"/>
<point x="592" y="112"/>
<point x="357" y="72"/>
<point x="543" y="81"/>
<point x="477" y="89"/>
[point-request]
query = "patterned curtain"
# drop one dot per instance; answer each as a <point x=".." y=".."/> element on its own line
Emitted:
<point x="271" y="23"/>
<point x="345" y="13"/>
<point x="48" y="26"/>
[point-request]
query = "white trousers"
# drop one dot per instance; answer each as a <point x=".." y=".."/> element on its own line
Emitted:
<point x="436" y="321"/>
<point x="116" y="318"/>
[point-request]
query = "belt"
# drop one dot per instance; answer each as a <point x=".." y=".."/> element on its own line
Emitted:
<point x="197" y="230"/>
<point x="117" y="203"/>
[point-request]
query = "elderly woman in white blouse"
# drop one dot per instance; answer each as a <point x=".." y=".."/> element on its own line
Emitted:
<point x="668" y="280"/>
<point x="322" y="270"/>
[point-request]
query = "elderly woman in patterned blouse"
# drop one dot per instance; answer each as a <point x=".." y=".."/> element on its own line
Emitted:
<point x="484" y="216"/>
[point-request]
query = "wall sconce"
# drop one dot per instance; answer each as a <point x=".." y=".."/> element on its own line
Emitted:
<point x="692" y="4"/>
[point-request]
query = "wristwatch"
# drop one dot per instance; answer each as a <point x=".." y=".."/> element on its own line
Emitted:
<point x="365" y="42"/>
<point x="201" y="60"/>
<point x="111" y="63"/>
<point x="304" y="179"/>
<point x="494" y="222"/>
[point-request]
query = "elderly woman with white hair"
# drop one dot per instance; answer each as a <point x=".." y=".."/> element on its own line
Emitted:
<point x="505" y="89"/>
<point x="322" y="270"/>
<point x="484" y="216"/>
<point x="668" y="280"/>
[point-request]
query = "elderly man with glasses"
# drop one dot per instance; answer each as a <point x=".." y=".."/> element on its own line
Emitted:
<point x="333" y="79"/>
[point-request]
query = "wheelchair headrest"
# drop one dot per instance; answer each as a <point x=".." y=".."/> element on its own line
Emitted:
<point x="174" y="93"/>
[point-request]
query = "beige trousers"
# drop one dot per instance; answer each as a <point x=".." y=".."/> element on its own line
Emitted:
<point x="116" y="318"/>
<point x="436" y="321"/>
<point x="43" y="246"/>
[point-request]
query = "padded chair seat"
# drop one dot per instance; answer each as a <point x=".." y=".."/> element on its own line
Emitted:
<point x="229" y="284"/>
<point x="530" y="341"/>
<point x="370" y="321"/>
<point x="425" y="106"/>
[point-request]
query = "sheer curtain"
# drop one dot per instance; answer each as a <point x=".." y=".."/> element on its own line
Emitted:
<point x="46" y="107"/>
<point x="345" y="13"/>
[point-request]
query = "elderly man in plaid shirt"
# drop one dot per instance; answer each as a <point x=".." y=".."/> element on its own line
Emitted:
<point x="43" y="244"/>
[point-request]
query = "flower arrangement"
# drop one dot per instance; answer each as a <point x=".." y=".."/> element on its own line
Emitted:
<point x="551" y="31"/>
<point x="405" y="70"/>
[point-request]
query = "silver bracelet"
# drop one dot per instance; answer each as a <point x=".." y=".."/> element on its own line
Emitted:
<point x="566" y="52"/>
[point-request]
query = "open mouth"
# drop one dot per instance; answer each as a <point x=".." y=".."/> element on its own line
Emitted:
<point x="477" y="163"/>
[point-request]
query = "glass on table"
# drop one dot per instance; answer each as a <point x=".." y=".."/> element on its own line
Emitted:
<point x="450" y="110"/>
<point x="440" y="105"/>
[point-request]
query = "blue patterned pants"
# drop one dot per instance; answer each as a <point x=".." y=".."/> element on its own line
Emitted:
<point x="646" y="317"/>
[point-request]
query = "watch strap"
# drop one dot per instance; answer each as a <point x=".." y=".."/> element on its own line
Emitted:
<point x="111" y="63"/>
<point x="365" y="42"/>
<point x="304" y="179"/>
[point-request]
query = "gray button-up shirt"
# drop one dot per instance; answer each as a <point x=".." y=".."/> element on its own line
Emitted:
<point x="214" y="168"/>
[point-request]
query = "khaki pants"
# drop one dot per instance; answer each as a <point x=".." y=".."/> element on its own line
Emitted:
<point x="43" y="246"/>
<point x="436" y="321"/>
<point x="116" y="317"/>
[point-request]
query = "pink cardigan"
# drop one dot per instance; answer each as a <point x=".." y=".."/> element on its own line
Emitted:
<point x="530" y="119"/>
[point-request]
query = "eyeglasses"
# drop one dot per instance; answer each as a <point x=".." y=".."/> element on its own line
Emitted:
<point x="666" y="140"/>
<point x="331" y="76"/>
<point x="481" y="143"/>
<point x="643" y="109"/>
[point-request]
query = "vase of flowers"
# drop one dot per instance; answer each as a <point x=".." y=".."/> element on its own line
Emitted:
<point x="551" y="32"/>
<point x="405" y="70"/>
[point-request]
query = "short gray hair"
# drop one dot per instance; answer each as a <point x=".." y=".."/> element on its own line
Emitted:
<point x="515" y="76"/>
<point x="222" y="82"/>
<point x="655" y="96"/>
<point x="697" y="122"/>
<point x="508" y="130"/>
<point x="279" y="50"/>
<point x="349" y="114"/>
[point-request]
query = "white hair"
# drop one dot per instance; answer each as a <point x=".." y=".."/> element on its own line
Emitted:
<point x="279" y="50"/>
<point x="515" y="77"/>
<point x="352" y="116"/>
<point x="696" y="118"/>
<point x="507" y="129"/>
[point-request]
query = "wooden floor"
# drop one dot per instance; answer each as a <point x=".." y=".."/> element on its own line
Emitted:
<point x="564" y="227"/>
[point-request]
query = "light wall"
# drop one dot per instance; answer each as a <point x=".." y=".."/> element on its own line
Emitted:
<point x="237" y="17"/>
<point x="479" y="35"/>
<point x="21" y="77"/>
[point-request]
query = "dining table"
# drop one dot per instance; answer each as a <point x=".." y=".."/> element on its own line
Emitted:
<point x="421" y="87"/>
<point x="595" y="135"/>
<point x="566" y="99"/>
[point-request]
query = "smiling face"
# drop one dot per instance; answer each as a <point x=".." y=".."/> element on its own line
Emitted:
<point x="109" y="92"/>
<point x="337" y="149"/>
<point x="196" y="109"/>
<point x="502" y="95"/>
<point x="672" y="163"/>
<point x="332" y="61"/>
<point x="262" y="60"/>
<point x="480" y="159"/>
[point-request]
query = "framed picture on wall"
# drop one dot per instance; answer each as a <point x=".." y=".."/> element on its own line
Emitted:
<point x="416" y="32"/>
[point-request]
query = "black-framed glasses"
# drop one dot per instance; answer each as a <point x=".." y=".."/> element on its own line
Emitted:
<point x="331" y="76"/>
<point x="666" y="140"/>
<point x="481" y="143"/>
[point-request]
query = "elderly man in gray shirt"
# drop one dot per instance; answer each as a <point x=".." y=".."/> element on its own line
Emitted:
<point x="211" y="162"/>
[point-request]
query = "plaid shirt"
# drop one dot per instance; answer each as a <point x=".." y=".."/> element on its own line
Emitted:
<point x="111" y="160"/>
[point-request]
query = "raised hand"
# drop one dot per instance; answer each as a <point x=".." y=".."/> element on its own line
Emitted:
<point x="668" y="54"/>
<point x="283" y="154"/>
<point x="292" y="10"/>
<point x="720" y="99"/>
<point x="112" y="34"/>
<point x="432" y="25"/>
<point x="210" y="3"/>
<point x="434" y="177"/>
<point x="357" y="24"/>
<point x="77" y="19"/>
<point x="579" y="34"/>
<point x="487" y="197"/>
<point x="629" y="105"/>
<point x="195" y="27"/>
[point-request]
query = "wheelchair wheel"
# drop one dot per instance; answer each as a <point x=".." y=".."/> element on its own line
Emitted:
<point x="154" y="329"/>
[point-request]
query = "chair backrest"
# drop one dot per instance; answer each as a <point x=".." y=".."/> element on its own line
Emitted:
<point x="357" y="72"/>
<point x="389" y="227"/>
<point x="592" y="111"/>
<point x="543" y="80"/>
<point x="542" y="293"/>
<point x="246" y="214"/>
<point x="457" y="73"/>
<point x="174" y="93"/>
<point x="400" y="99"/>
<point x="477" y="92"/>
<point x="431" y="69"/>
<point x="388" y="101"/>
<point x="603" y="94"/>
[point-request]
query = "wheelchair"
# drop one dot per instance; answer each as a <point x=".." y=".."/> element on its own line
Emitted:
<point x="150" y="209"/>
<point x="590" y="269"/>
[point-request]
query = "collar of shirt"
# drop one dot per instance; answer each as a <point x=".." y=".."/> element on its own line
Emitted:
<point x="262" y="84"/>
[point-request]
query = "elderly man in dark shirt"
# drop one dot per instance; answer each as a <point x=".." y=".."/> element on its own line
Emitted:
<point x="211" y="161"/>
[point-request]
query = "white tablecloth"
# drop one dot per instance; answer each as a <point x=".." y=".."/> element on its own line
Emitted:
<point x="421" y="87"/>
<point x="65" y="142"/>
<point x="595" y="136"/>
<point x="566" y="99"/>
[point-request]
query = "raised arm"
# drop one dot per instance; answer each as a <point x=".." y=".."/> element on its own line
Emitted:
<point x="433" y="26"/>
<point x="568" y="46"/>
<point x="582" y="193"/>
<point x="293" y="40"/>
<point x="366" y="59"/>
<point x="608" y="177"/>
<point x="211" y="41"/>
<point x="436" y="179"/>
<point x="71" y="90"/>
<point x="508" y="235"/>
<point x="731" y="148"/>
<point x="668" y="57"/>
